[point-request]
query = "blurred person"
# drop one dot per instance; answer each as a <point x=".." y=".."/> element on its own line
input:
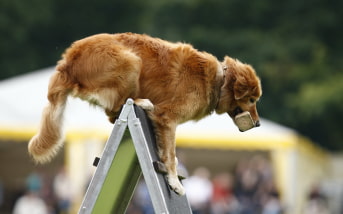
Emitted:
<point x="263" y="167"/>
<point x="30" y="202"/>
<point x="273" y="205"/>
<point x="265" y="178"/>
<point x="46" y="192"/>
<point x="223" y="200"/>
<point x="62" y="190"/>
<point x="199" y="190"/>
<point x="246" y="187"/>
<point x="317" y="202"/>
<point x="34" y="182"/>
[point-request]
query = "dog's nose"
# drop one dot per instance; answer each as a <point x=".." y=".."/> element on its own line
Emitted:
<point x="257" y="123"/>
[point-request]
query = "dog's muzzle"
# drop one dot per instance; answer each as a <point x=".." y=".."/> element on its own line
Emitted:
<point x="244" y="121"/>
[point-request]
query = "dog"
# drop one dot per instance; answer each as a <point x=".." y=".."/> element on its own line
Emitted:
<point x="173" y="82"/>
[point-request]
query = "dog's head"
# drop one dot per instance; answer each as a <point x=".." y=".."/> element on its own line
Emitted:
<point x="240" y="91"/>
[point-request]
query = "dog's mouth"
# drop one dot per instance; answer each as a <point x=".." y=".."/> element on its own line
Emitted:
<point x="237" y="111"/>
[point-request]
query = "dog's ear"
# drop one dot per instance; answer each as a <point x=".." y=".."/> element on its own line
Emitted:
<point x="245" y="80"/>
<point x="240" y="87"/>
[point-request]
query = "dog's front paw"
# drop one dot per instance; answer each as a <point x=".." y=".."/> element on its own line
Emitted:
<point x="146" y="104"/>
<point x="176" y="185"/>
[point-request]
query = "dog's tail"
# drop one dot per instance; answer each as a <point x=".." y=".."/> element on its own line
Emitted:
<point x="47" y="142"/>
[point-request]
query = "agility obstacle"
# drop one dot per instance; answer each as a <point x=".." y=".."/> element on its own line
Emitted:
<point x="120" y="167"/>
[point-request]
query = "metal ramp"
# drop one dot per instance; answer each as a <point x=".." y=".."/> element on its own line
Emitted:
<point x="121" y="165"/>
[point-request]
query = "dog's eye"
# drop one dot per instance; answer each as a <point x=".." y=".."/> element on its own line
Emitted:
<point x="252" y="100"/>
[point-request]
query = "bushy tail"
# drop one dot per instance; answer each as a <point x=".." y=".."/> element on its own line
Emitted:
<point x="47" y="142"/>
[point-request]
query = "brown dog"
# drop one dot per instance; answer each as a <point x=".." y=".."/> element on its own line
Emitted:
<point x="173" y="81"/>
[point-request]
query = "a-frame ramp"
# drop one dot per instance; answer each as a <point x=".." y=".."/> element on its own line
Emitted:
<point x="121" y="165"/>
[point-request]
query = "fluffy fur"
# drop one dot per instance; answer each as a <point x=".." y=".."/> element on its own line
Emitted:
<point x="173" y="81"/>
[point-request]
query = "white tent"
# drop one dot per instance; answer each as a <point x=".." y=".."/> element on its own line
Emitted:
<point x="23" y="98"/>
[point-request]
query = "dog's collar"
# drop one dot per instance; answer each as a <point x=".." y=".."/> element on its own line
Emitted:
<point x="221" y="79"/>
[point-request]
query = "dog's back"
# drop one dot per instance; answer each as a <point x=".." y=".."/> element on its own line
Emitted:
<point x="173" y="72"/>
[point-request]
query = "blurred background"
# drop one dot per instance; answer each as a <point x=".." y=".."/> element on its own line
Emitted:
<point x="291" y="164"/>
